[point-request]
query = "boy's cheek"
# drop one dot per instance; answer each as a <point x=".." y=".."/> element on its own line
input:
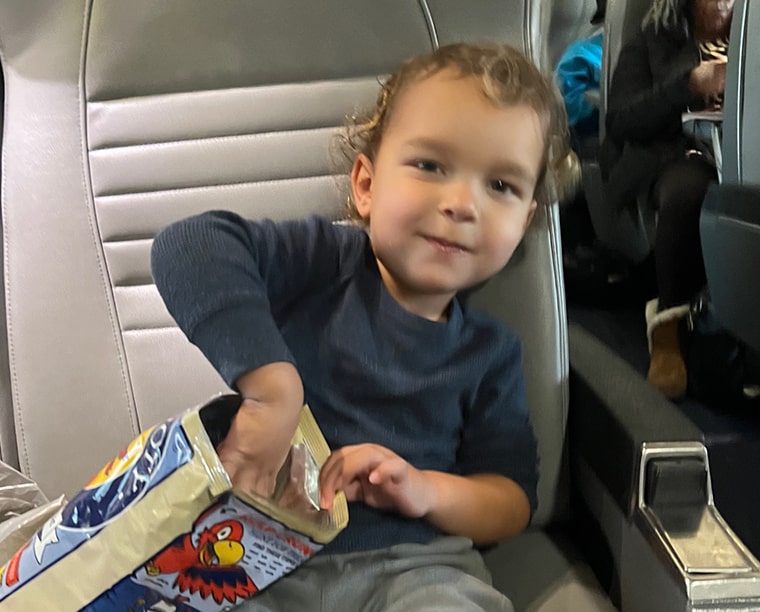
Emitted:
<point x="531" y="214"/>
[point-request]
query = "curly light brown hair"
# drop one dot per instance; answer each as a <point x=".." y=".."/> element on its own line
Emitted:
<point x="507" y="78"/>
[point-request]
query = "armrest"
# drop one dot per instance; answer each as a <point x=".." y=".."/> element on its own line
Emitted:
<point x="613" y="411"/>
<point x="713" y="117"/>
<point x="643" y="476"/>
<point x="706" y="126"/>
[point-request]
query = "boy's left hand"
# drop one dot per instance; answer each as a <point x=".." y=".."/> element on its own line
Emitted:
<point x="377" y="476"/>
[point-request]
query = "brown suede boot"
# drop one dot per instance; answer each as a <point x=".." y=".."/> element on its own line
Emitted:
<point x="667" y="369"/>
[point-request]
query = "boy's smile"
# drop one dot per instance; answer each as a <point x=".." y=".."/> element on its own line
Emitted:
<point x="450" y="192"/>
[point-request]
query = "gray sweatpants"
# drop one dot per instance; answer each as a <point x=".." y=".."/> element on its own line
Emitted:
<point x="447" y="575"/>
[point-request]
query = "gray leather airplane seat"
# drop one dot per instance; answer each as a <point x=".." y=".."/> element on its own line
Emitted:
<point x="124" y="116"/>
<point x="629" y="231"/>
<point x="730" y="221"/>
<point x="569" y="21"/>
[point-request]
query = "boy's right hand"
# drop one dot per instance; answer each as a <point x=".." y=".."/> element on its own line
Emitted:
<point x="259" y="439"/>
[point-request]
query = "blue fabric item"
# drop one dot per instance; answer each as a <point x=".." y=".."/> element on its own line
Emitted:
<point x="444" y="396"/>
<point x="579" y="70"/>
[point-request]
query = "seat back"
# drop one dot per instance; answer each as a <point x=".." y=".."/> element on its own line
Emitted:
<point x="628" y="231"/>
<point x="741" y="123"/>
<point x="570" y="20"/>
<point x="122" y="117"/>
<point x="730" y="220"/>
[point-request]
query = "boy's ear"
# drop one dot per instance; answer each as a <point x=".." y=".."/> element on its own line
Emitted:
<point x="361" y="185"/>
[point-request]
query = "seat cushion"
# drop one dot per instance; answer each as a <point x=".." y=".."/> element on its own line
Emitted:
<point x="544" y="572"/>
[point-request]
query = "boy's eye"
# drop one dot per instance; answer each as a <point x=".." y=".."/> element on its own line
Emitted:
<point x="501" y="186"/>
<point x="426" y="165"/>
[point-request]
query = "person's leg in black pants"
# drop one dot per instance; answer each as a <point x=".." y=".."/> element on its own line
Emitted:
<point x="678" y="194"/>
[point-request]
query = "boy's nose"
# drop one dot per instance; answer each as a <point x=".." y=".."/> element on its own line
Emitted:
<point x="459" y="203"/>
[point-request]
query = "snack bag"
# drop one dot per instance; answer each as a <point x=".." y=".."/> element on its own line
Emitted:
<point x="160" y="527"/>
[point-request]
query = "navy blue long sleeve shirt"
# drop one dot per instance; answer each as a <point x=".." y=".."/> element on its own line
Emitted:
<point x="444" y="396"/>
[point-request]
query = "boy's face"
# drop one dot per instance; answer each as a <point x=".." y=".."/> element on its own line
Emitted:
<point x="450" y="192"/>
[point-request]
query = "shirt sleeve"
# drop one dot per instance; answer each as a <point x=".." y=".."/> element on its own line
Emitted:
<point x="641" y="106"/>
<point x="221" y="276"/>
<point x="498" y="436"/>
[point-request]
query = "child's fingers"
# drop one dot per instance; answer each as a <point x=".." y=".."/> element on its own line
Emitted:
<point x="342" y="469"/>
<point x="331" y="478"/>
<point x="329" y="488"/>
<point x="389" y="471"/>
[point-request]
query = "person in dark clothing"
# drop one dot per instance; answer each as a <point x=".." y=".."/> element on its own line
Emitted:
<point x="421" y="397"/>
<point x="675" y="64"/>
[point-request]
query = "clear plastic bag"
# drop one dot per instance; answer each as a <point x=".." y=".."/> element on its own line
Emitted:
<point x="24" y="508"/>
